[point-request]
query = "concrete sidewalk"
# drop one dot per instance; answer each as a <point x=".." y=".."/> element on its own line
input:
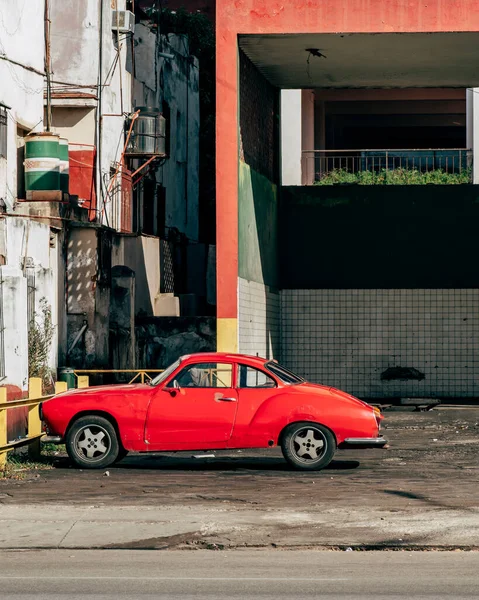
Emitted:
<point x="61" y="526"/>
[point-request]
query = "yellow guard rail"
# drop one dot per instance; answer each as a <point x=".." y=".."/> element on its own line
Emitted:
<point x="34" y="428"/>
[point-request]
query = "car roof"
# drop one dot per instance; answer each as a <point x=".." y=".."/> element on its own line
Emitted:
<point x="228" y="356"/>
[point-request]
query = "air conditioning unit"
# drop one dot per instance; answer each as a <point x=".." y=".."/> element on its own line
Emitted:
<point x="123" y="21"/>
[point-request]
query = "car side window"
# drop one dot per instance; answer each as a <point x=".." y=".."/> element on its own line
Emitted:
<point x="205" y="375"/>
<point x="250" y="377"/>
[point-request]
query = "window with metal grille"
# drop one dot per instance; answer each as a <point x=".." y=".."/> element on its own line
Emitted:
<point x="3" y="132"/>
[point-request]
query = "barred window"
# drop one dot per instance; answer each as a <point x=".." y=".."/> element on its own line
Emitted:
<point x="3" y="132"/>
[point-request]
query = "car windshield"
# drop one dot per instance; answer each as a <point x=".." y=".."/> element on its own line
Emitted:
<point x="166" y="373"/>
<point x="283" y="373"/>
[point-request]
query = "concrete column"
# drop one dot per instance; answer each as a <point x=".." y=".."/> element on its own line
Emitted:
<point x="307" y="136"/>
<point x="472" y="112"/>
<point x="291" y="142"/>
<point x="297" y="136"/>
<point x="15" y="333"/>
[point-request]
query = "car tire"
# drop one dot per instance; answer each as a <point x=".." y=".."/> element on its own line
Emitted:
<point x="92" y="442"/>
<point x="308" y="446"/>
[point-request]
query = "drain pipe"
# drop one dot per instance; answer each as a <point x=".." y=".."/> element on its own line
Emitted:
<point x="99" y="180"/>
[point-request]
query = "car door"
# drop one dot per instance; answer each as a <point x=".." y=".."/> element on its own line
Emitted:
<point x="255" y="387"/>
<point x="195" y="409"/>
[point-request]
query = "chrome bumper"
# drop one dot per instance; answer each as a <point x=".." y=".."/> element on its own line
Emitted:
<point x="378" y="442"/>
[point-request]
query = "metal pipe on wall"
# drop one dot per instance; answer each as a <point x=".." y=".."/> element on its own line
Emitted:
<point x="48" y="67"/>
<point x="99" y="195"/>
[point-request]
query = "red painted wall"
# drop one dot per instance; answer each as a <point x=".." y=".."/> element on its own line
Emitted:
<point x="234" y="17"/>
<point x="17" y="418"/>
<point x="82" y="175"/>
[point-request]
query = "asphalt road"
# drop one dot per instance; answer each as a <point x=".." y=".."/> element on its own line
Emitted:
<point x="265" y="574"/>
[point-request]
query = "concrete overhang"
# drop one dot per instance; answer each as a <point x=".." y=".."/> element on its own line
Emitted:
<point x="395" y="60"/>
<point x="73" y="99"/>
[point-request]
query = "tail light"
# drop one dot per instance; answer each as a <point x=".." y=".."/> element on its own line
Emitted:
<point x="377" y="414"/>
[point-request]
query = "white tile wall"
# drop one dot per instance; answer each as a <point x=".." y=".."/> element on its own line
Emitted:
<point x="348" y="338"/>
<point x="259" y="319"/>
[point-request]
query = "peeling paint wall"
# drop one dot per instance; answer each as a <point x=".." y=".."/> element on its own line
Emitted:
<point x="84" y="53"/>
<point x="31" y="275"/>
<point x="21" y="42"/>
<point x="173" y="83"/>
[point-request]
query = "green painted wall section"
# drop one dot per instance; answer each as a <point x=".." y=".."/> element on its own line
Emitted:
<point x="258" y="227"/>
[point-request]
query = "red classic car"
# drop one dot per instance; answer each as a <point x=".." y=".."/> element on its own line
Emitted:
<point x="212" y="401"/>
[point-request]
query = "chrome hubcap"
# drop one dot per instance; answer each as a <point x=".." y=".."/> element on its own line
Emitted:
<point x="92" y="443"/>
<point x="309" y="444"/>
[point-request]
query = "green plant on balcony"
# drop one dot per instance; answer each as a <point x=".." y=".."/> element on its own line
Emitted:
<point x="398" y="176"/>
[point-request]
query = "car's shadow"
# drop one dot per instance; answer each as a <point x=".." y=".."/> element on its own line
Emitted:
<point x="245" y="464"/>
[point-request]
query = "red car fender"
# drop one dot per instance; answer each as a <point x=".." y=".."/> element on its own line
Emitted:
<point x="325" y="408"/>
<point x="124" y="407"/>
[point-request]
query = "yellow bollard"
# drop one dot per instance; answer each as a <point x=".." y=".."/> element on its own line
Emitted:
<point x="3" y="428"/>
<point x="61" y="386"/>
<point x="34" y="423"/>
<point x="83" y="381"/>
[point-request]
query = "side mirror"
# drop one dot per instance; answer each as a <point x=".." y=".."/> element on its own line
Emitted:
<point x="173" y="388"/>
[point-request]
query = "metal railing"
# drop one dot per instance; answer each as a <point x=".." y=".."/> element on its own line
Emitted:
<point x="34" y="424"/>
<point x="449" y="165"/>
<point x="83" y="379"/>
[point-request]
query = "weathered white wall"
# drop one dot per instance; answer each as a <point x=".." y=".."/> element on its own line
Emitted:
<point x="21" y="40"/>
<point x="176" y="83"/>
<point x="28" y="252"/>
<point x="75" y="40"/>
<point x="77" y="28"/>
<point x="15" y="337"/>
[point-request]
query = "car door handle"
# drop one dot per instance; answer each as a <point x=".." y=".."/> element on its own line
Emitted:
<point x="223" y="399"/>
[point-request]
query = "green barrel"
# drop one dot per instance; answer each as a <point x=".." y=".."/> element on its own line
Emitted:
<point x="64" y="165"/>
<point x="42" y="162"/>
<point x="67" y="374"/>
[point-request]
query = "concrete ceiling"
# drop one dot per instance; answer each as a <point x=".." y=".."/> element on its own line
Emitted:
<point x="366" y="60"/>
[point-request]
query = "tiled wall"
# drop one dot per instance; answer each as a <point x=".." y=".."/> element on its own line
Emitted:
<point x="259" y="319"/>
<point x="349" y="338"/>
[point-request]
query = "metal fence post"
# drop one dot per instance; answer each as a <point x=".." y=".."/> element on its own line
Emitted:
<point x="3" y="428"/>
<point x="83" y="381"/>
<point x="34" y="423"/>
<point x="61" y="386"/>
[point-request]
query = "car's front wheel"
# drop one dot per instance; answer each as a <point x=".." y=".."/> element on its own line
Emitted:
<point x="308" y="446"/>
<point x="92" y="442"/>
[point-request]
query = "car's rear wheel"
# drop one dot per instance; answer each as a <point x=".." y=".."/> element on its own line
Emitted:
<point x="92" y="442"/>
<point x="308" y="446"/>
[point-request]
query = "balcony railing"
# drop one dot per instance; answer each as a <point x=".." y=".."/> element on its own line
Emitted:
<point x="387" y="167"/>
